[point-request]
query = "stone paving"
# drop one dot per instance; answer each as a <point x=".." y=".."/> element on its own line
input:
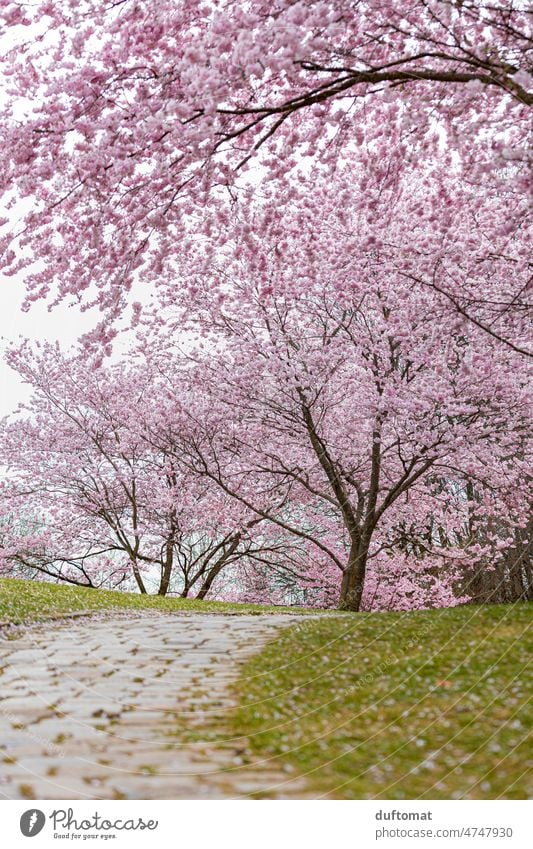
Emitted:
<point x="94" y="708"/>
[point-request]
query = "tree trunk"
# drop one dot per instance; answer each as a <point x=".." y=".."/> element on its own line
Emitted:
<point x="353" y="578"/>
<point x="519" y="564"/>
<point x="218" y="566"/>
<point x="137" y="575"/>
<point x="166" y="572"/>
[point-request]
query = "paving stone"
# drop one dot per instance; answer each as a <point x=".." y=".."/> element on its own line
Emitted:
<point x="86" y="712"/>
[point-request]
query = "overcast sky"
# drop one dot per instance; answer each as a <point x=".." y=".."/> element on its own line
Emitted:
<point x="62" y="323"/>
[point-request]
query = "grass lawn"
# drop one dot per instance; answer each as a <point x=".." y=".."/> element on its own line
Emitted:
<point x="427" y="705"/>
<point x="27" y="601"/>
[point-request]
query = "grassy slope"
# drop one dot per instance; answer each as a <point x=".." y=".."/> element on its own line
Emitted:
<point x="25" y="601"/>
<point x="395" y="706"/>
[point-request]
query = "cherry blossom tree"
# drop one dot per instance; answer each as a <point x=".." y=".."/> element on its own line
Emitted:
<point x="86" y="500"/>
<point x="125" y="123"/>
<point x="356" y="414"/>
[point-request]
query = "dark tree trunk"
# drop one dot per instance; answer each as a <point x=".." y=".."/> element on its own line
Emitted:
<point x="137" y="576"/>
<point x="218" y="566"/>
<point x="166" y="572"/>
<point x="519" y="562"/>
<point x="353" y="578"/>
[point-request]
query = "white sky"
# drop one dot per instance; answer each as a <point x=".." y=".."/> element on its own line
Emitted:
<point x="62" y="323"/>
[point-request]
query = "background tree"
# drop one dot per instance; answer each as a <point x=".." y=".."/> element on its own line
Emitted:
<point x="98" y="505"/>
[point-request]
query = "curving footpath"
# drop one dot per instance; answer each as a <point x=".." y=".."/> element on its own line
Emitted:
<point x="113" y="707"/>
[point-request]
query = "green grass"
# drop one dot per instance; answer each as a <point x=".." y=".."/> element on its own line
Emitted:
<point x="30" y="601"/>
<point x="396" y="706"/>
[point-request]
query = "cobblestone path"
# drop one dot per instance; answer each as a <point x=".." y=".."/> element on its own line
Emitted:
<point x="94" y="708"/>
